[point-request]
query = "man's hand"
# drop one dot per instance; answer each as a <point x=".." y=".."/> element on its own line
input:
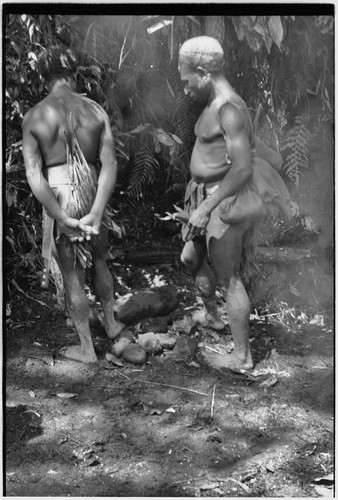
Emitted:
<point x="197" y="223"/>
<point x="75" y="231"/>
<point x="90" y="224"/>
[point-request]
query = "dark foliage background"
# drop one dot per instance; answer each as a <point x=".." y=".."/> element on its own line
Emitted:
<point x="281" y="65"/>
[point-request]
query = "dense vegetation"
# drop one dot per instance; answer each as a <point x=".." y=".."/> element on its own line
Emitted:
<point x="281" y="65"/>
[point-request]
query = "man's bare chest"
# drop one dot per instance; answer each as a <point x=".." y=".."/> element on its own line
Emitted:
<point x="208" y="126"/>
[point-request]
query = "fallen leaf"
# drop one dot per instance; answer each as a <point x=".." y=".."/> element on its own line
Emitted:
<point x="32" y="394"/>
<point x="124" y="436"/>
<point x="170" y="410"/>
<point x="93" y="462"/>
<point x="329" y="479"/>
<point x="323" y="491"/>
<point x="111" y="470"/>
<point x="194" y="364"/>
<point x="269" y="382"/>
<point x="270" y="467"/>
<point x="155" y="412"/>
<point x="208" y="485"/>
<point x="214" y="335"/>
<point x="66" y="395"/>
<point x="114" y="359"/>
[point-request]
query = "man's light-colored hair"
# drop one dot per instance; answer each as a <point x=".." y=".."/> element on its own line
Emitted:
<point x="203" y="51"/>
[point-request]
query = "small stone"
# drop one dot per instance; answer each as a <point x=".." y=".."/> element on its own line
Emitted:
<point x="127" y="334"/>
<point x="185" y="347"/>
<point x="134" y="353"/>
<point x="119" y="346"/>
<point x="167" y="340"/>
<point x="150" y="343"/>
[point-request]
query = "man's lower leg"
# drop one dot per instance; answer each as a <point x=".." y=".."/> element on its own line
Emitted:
<point x="206" y="285"/>
<point x="104" y="288"/>
<point x="238" y="306"/>
<point x="79" y="312"/>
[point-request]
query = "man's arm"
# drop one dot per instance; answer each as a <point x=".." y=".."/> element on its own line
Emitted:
<point x="107" y="177"/>
<point x="38" y="184"/>
<point x="238" y="147"/>
<point x="239" y="151"/>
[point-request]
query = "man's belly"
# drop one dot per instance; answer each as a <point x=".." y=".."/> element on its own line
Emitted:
<point x="209" y="161"/>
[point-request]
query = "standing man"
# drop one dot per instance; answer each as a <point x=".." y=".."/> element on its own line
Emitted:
<point x="222" y="165"/>
<point x="63" y="137"/>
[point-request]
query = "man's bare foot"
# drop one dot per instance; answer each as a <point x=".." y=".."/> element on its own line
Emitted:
<point x="206" y="319"/>
<point x="229" y="361"/>
<point x="77" y="353"/>
<point x="114" y="328"/>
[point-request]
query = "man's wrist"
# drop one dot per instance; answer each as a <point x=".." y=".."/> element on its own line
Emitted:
<point x="96" y="213"/>
<point x="206" y="207"/>
<point x="62" y="219"/>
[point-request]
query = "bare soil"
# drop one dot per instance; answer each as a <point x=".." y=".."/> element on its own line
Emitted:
<point x="172" y="427"/>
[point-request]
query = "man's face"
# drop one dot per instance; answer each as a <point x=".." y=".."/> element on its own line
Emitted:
<point x="195" y="83"/>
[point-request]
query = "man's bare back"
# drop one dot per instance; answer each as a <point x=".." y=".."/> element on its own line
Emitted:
<point x="50" y="119"/>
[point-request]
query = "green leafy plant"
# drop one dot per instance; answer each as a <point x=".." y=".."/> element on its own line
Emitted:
<point x="296" y="149"/>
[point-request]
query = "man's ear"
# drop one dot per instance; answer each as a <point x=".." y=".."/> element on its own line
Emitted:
<point x="202" y="73"/>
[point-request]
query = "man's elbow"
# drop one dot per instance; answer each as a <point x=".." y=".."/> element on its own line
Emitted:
<point x="247" y="174"/>
<point x="33" y="178"/>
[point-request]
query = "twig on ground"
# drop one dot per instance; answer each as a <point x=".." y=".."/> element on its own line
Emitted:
<point x="31" y="298"/>
<point x="122" y="374"/>
<point x="329" y="279"/>
<point x="302" y="439"/>
<point x="212" y="403"/>
<point x="171" y="386"/>
<point x="213" y="350"/>
<point x="72" y="439"/>
<point x="40" y="359"/>
<point x="245" y="488"/>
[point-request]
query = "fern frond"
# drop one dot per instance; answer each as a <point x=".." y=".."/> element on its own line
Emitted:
<point x="186" y="115"/>
<point x="296" y="149"/>
<point x="142" y="173"/>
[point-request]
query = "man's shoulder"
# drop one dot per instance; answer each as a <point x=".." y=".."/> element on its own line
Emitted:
<point x="231" y="113"/>
<point x="35" y="113"/>
<point x="91" y="103"/>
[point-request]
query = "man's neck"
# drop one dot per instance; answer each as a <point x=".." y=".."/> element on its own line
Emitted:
<point x="221" y="87"/>
<point x="61" y="84"/>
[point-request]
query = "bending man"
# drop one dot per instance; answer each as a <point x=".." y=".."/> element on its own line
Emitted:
<point x="63" y="137"/>
<point x="222" y="165"/>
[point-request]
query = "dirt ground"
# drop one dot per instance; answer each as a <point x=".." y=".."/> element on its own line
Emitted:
<point x="172" y="427"/>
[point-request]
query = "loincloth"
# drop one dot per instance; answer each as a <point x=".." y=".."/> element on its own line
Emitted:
<point x="264" y="195"/>
<point x="65" y="193"/>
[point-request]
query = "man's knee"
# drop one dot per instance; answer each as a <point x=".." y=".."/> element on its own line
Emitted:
<point x="236" y="296"/>
<point x="205" y="287"/>
<point x="189" y="259"/>
<point x="77" y="302"/>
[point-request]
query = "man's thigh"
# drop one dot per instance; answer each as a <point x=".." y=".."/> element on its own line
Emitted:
<point x="194" y="253"/>
<point x="225" y="245"/>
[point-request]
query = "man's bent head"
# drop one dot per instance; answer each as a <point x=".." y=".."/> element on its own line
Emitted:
<point x="202" y="52"/>
<point x="56" y="62"/>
